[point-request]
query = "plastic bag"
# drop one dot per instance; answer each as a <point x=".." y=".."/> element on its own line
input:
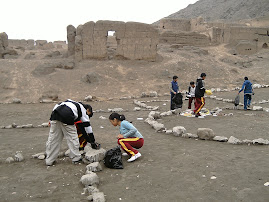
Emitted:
<point x="236" y="100"/>
<point x="208" y="92"/>
<point x="113" y="158"/>
<point x="177" y="101"/>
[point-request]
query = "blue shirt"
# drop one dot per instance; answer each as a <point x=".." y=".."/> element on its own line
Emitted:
<point x="247" y="87"/>
<point x="128" y="130"/>
<point x="174" y="86"/>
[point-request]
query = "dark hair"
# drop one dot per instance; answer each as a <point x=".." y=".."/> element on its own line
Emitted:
<point x="246" y="78"/>
<point x="192" y="83"/>
<point x="116" y="116"/>
<point x="175" y="77"/>
<point x="86" y="106"/>
<point x="203" y="74"/>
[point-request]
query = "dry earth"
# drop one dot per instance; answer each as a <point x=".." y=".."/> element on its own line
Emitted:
<point x="171" y="168"/>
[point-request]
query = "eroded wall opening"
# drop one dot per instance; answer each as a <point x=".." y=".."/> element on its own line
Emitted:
<point x="265" y="46"/>
<point x="111" y="44"/>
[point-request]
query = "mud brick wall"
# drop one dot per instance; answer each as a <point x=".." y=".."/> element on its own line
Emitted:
<point x="135" y="41"/>
<point x="175" y="24"/>
<point x="184" y="38"/>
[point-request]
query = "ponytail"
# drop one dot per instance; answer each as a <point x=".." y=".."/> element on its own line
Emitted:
<point x="116" y="116"/>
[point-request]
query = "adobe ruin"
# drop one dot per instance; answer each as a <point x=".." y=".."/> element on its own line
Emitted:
<point x="245" y="39"/>
<point x="133" y="40"/>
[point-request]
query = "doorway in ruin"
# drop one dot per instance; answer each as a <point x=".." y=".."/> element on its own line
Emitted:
<point x="111" y="44"/>
<point x="265" y="46"/>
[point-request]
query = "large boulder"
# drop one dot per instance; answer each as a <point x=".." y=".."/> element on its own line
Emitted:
<point x="93" y="155"/>
<point x="205" y="133"/>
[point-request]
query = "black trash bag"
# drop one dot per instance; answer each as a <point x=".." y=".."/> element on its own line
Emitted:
<point x="113" y="158"/>
<point x="177" y="101"/>
<point x="236" y="100"/>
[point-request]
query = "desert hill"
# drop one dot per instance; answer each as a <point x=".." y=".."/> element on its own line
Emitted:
<point x="225" y="10"/>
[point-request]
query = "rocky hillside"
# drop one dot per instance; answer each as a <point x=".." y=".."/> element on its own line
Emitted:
<point x="227" y="10"/>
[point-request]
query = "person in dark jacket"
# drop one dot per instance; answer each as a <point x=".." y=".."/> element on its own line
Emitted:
<point x="199" y="94"/>
<point x="174" y="89"/>
<point x="62" y="124"/>
<point x="248" y="91"/>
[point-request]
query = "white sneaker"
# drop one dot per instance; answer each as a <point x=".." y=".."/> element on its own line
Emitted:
<point x="133" y="158"/>
<point x="124" y="154"/>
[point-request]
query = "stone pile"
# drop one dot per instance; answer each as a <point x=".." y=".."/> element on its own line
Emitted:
<point x="14" y="125"/>
<point x="202" y="133"/>
<point x="143" y="105"/>
<point x="18" y="157"/>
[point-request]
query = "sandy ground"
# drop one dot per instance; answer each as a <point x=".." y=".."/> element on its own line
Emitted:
<point x="170" y="169"/>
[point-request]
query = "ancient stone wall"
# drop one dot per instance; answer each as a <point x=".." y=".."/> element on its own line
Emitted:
<point x="184" y="38"/>
<point x="175" y="24"/>
<point x="38" y="44"/>
<point x="3" y="43"/>
<point x="135" y="41"/>
<point x="246" y="47"/>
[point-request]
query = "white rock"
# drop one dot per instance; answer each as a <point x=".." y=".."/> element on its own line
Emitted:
<point x="41" y="157"/>
<point x="257" y="108"/>
<point x="89" y="179"/>
<point x="256" y="85"/>
<point x="94" y="155"/>
<point x="67" y="152"/>
<point x="260" y="141"/>
<point x="98" y="197"/>
<point x="158" y="126"/>
<point x="266" y="109"/>
<point x="205" y="133"/>
<point x="154" y="115"/>
<point x="38" y="154"/>
<point x="18" y="157"/>
<point x="102" y="117"/>
<point x="137" y="109"/>
<point x="179" y="131"/>
<point x="45" y="124"/>
<point x="169" y="131"/>
<point x="94" y="167"/>
<point x="9" y="160"/>
<point x="247" y="141"/>
<point x="233" y="140"/>
<point x="220" y="138"/>
<point x="92" y="189"/>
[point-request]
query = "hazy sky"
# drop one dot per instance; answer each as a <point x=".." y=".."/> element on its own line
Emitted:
<point x="48" y="19"/>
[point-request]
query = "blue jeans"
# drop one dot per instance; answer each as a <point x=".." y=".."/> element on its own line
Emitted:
<point x="247" y="100"/>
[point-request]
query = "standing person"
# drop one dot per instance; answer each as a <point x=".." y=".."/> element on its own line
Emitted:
<point x="248" y="91"/>
<point x="62" y="124"/>
<point x="174" y="89"/>
<point x="199" y="95"/>
<point x="129" y="137"/>
<point x="191" y="93"/>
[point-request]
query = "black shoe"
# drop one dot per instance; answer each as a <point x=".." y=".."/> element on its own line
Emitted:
<point x="197" y="115"/>
<point x="77" y="162"/>
<point x="81" y="149"/>
<point x="96" y="146"/>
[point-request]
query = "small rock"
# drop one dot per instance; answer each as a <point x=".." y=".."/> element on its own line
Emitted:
<point x="205" y="133"/>
<point x="179" y="131"/>
<point x="41" y="157"/>
<point x="45" y="124"/>
<point x="220" y="138"/>
<point x="94" y="167"/>
<point x="233" y="140"/>
<point x="19" y="157"/>
<point x="257" y="108"/>
<point x="9" y="160"/>
<point x="99" y="197"/>
<point x="260" y="141"/>
<point x="16" y="101"/>
<point x="89" y="179"/>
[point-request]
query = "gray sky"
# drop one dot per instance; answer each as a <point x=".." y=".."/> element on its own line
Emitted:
<point x="48" y="19"/>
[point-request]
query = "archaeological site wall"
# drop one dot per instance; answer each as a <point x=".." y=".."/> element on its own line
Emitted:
<point x="38" y="44"/>
<point x="3" y="43"/>
<point x="184" y="38"/>
<point x="135" y="41"/>
<point x="197" y="32"/>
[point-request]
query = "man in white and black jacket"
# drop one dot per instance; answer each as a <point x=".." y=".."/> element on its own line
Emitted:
<point x="62" y="120"/>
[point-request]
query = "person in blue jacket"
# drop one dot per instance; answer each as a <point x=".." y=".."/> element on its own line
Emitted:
<point x="174" y="89"/>
<point x="248" y="91"/>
